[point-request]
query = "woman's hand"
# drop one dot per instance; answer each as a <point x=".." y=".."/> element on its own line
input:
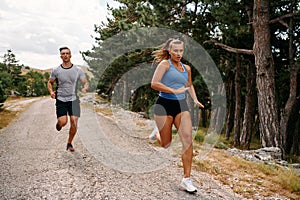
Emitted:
<point x="180" y="90"/>
<point x="199" y="104"/>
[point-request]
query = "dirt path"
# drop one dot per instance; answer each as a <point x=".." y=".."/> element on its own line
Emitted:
<point x="108" y="162"/>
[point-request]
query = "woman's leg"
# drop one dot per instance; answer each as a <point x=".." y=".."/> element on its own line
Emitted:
<point x="183" y="124"/>
<point x="164" y="125"/>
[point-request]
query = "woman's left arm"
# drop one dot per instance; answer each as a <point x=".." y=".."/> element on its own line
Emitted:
<point x="191" y="87"/>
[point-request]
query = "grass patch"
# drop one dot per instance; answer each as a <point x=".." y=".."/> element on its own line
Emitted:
<point x="104" y="111"/>
<point x="290" y="180"/>
<point x="12" y="107"/>
<point x="248" y="178"/>
<point x="245" y="177"/>
<point x="255" y="142"/>
<point x="6" y="116"/>
<point x="219" y="141"/>
<point x="293" y="159"/>
<point x="200" y="135"/>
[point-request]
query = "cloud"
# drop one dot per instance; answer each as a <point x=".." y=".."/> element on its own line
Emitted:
<point x="34" y="30"/>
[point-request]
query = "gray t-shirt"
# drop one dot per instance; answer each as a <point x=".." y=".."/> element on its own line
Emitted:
<point x="66" y="81"/>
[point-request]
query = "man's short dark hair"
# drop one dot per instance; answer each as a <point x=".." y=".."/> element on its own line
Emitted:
<point x="62" y="48"/>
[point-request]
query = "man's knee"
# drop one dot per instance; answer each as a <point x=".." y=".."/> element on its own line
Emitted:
<point x="73" y="121"/>
<point x="62" y="120"/>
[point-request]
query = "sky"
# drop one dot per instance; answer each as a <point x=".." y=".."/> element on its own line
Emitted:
<point x="35" y="29"/>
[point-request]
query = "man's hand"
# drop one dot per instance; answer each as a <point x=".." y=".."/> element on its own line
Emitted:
<point x="85" y="85"/>
<point x="53" y="94"/>
<point x="83" y="90"/>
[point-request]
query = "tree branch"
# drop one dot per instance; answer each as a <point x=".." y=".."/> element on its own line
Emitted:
<point x="278" y="19"/>
<point x="230" y="49"/>
<point x="284" y="24"/>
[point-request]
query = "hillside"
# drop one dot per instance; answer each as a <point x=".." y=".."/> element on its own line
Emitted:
<point x="26" y="70"/>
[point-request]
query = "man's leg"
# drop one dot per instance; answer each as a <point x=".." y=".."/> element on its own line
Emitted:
<point x="61" y="122"/>
<point x="73" y="109"/>
<point x="61" y="113"/>
<point x="73" y="128"/>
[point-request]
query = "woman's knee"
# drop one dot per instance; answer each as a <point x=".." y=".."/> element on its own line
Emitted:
<point x="186" y="139"/>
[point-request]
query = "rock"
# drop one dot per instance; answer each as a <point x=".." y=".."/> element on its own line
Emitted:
<point x="282" y="162"/>
<point x="296" y="165"/>
<point x="268" y="155"/>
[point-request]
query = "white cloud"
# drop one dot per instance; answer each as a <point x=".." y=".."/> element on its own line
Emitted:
<point x="34" y="30"/>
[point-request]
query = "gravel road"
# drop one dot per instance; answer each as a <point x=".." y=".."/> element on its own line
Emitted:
<point x="108" y="162"/>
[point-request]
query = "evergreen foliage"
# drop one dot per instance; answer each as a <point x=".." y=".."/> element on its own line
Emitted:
<point x="13" y="82"/>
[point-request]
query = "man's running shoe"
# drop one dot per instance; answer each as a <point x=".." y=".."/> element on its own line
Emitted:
<point x="187" y="185"/>
<point x="70" y="147"/>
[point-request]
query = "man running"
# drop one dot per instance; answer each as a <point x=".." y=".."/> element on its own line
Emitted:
<point x="66" y="77"/>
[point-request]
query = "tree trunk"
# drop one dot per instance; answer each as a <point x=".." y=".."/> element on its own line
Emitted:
<point x="193" y="111"/>
<point x="238" y="104"/>
<point x="291" y="130"/>
<point x="287" y="116"/>
<point x="218" y="114"/>
<point x="221" y="111"/>
<point x="126" y="92"/>
<point x="204" y="117"/>
<point x="250" y="107"/>
<point x="183" y="11"/>
<point x="296" y="137"/>
<point x="196" y="116"/>
<point x="230" y="111"/>
<point x="268" y="114"/>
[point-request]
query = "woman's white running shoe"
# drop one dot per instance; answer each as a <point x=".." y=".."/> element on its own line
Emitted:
<point x="152" y="136"/>
<point x="187" y="184"/>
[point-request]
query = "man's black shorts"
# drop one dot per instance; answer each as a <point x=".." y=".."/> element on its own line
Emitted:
<point x="163" y="107"/>
<point x="67" y="108"/>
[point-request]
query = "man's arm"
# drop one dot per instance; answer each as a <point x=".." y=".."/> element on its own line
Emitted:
<point x="85" y="85"/>
<point x="50" y="88"/>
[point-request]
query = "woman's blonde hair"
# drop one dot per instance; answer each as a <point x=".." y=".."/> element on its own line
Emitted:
<point x="163" y="52"/>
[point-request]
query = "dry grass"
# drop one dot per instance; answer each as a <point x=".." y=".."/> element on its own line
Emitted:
<point x="6" y="116"/>
<point x="250" y="179"/>
<point x="104" y="111"/>
<point x="12" y="107"/>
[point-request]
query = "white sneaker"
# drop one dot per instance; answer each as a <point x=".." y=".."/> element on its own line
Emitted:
<point x="186" y="184"/>
<point x="152" y="136"/>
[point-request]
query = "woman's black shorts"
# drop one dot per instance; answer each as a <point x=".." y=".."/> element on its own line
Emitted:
<point x="67" y="108"/>
<point x="164" y="107"/>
